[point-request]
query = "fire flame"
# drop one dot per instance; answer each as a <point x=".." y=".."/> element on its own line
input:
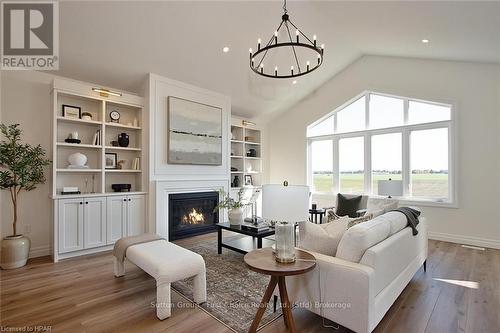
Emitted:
<point x="193" y="218"/>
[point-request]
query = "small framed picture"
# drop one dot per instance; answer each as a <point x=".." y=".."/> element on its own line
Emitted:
<point x="71" y="111"/>
<point x="110" y="160"/>
<point x="248" y="180"/>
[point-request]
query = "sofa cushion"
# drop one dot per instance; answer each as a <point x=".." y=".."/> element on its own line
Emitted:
<point x="377" y="206"/>
<point x="361" y="237"/>
<point x="348" y="205"/>
<point x="322" y="238"/>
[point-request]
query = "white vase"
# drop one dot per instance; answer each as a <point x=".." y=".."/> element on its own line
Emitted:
<point x="77" y="160"/>
<point x="15" y="251"/>
<point x="235" y="216"/>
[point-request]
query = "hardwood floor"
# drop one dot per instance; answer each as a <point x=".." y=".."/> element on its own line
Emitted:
<point x="81" y="295"/>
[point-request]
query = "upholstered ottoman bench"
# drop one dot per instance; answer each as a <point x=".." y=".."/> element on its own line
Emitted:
<point x="166" y="263"/>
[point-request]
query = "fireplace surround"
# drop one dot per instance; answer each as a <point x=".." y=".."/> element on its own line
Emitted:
<point x="192" y="214"/>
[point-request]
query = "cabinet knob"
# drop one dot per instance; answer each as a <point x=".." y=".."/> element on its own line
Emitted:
<point x="86" y="202"/>
<point x="124" y="199"/>
<point x="81" y="203"/>
<point x="129" y="199"/>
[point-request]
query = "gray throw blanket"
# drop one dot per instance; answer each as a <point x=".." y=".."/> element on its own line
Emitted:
<point x="124" y="243"/>
<point x="411" y="216"/>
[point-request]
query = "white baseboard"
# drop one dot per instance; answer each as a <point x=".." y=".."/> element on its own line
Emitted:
<point x="39" y="251"/>
<point x="476" y="241"/>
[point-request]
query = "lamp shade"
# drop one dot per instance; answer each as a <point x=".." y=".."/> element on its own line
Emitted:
<point x="390" y="188"/>
<point x="285" y="203"/>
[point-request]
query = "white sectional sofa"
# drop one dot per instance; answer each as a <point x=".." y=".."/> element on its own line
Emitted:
<point x="374" y="262"/>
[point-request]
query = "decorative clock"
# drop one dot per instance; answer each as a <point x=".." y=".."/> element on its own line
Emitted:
<point x="115" y="116"/>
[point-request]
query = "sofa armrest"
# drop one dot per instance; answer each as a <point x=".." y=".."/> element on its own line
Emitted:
<point x="336" y="289"/>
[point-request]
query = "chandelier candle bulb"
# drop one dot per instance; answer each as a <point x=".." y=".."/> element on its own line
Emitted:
<point x="297" y="35"/>
<point x="276" y="37"/>
<point x="261" y="67"/>
<point x="253" y="62"/>
<point x="307" y="63"/>
<point x="291" y="68"/>
<point x="319" y="58"/>
<point x="250" y="50"/>
<point x="276" y="71"/>
<point x="314" y="39"/>
<point x="258" y="44"/>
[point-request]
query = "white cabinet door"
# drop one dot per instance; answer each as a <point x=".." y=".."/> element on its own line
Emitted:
<point x="94" y="222"/>
<point x="116" y="218"/>
<point x="136" y="208"/>
<point x="70" y="221"/>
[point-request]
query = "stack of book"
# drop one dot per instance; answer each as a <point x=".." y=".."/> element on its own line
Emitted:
<point x="97" y="141"/>
<point x="255" y="227"/>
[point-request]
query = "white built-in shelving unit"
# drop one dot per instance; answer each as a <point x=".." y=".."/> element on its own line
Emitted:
<point x="93" y="220"/>
<point x="243" y="139"/>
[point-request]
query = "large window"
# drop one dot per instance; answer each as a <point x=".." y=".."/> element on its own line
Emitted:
<point x="379" y="137"/>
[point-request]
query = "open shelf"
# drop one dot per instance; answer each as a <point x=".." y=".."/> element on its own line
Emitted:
<point x="77" y="145"/>
<point x="78" y="170"/>
<point x="123" y="126"/>
<point x="76" y="120"/>
<point x="123" y="170"/>
<point x="123" y="148"/>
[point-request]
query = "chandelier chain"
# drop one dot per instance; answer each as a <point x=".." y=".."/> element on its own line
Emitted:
<point x="284" y="7"/>
<point x="293" y="47"/>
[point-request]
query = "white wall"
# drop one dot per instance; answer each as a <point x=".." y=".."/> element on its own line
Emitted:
<point x="474" y="89"/>
<point x="25" y="100"/>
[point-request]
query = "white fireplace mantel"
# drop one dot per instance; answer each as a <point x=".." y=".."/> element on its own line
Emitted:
<point x="165" y="188"/>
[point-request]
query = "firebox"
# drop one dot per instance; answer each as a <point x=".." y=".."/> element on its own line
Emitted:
<point x="192" y="214"/>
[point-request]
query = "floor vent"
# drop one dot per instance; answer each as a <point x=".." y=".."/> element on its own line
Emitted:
<point x="473" y="247"/>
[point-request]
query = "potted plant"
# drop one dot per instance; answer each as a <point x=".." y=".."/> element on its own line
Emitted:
<point x="234" y="207"/>
<point x="21" y="168"/>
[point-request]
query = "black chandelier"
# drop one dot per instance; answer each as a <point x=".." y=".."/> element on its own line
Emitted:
<point x="299" y="42"/>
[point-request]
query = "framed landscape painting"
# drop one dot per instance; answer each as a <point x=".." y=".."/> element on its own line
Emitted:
<point x="194" y="133"/>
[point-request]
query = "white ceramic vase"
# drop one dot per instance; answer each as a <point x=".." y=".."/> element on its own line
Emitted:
<point x="77" y="160"/>
<point x="15" y="251"/>
<point x="235" y="216"/>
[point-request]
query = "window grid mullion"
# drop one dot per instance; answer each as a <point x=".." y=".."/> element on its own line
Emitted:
<point x="405" y="172"/>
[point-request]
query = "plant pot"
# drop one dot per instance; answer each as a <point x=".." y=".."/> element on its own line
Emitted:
<point x="235" y="216"/>
<point x="15" y="251"/>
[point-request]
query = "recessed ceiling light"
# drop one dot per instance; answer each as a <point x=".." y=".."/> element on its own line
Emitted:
<point x="225" y="49"/>
<point x="294" y="82"/>
<point x="425" y="41"/>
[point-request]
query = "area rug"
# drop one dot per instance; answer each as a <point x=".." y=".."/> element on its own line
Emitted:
<point x="233" y="291"/>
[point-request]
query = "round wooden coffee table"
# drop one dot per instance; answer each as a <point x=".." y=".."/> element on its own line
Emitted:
<point x="262" y="261"/>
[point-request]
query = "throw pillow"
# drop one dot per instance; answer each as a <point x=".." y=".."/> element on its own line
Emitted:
<point x="322" y="238"/>
<point x="331" y="216"/>
<point x="358" y="220"/>
<point x="348" y="206"/>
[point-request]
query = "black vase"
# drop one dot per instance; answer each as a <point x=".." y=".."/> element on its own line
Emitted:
<point x="236" y="181"/>
<point x="123" y="140"/>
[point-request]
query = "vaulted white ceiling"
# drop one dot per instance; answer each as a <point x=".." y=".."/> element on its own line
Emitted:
<point x="118" y="43"/>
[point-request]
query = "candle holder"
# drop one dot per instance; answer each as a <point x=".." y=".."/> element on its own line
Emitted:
<point x="285" y="242"/>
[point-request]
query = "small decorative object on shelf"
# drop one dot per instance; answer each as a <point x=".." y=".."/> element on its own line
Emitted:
<point x="248" y="180"/>
<point x="86" y="116"/>
<point x="236" y="182"/>
<point x="77" y="161"/>
<point x="121" y="187"/>
<point x="136" y="164"/>
<point x="251" y="152"/>
<point x="70" y="111"/>
<point x="120" y="164"/>
<point x="249" y="139"/>
<point x="114" y="116"/>
<point x="68" y="190"/>
<point x="285" y="242"/>
<point x="73" y="138"/>
<point x="234" y="207"/>
<point x="233" y="169"/>
<point x="136" y="122"/>
<point x="115" y="143"/>
<point x="96" y="141"/>
<point x="123" y="140"/>
<point x="111" y="160"/>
